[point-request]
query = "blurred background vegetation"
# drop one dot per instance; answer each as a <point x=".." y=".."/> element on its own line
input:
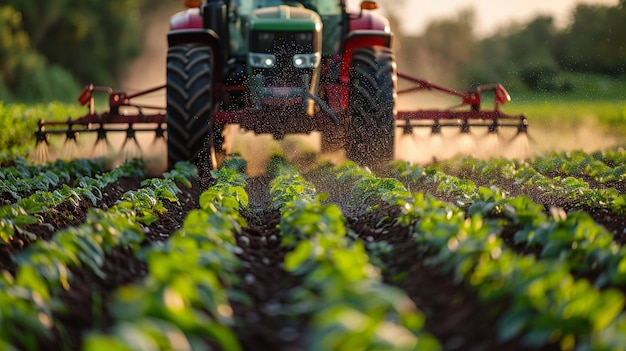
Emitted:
<point x="50" y="49"/>
<point x="585" y="58"/>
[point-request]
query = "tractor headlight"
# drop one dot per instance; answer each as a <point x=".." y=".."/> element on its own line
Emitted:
<point x="258" y="60"/>
<point x="307" y="60"/>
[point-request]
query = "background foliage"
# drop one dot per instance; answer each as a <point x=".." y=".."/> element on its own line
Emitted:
<point x="532" y="56"/>
<point x="48" y="49"/>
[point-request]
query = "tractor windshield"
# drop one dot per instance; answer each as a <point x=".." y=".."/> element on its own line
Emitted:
<point x="330" y="12"/>
<point x="323" y="7"/>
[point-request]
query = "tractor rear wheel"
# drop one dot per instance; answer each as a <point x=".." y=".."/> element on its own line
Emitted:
<point x="190" y="105"/>
<point x="372" y="108"/>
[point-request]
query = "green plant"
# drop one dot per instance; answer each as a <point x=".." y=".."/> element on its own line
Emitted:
<point x="350" y="306"/>
<point x="186" y="293"/>
<point x="26" y="210"/>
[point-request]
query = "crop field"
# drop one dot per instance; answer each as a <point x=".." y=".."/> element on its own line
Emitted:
<point x="500" y="224"/>
<point x="462" y="254"/>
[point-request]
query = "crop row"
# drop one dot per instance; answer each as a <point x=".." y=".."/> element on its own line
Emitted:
<point x="184" y="299"/>
<point x="548" y="304"/>
<point x="572" y="188"/>
<point x="588" y="248"/>
<point x="350" y="306"/>
<point x="28" y="210"/>
<point x="23" y="178"/>
<point x="29" y="301"/>
<point x="601" y="166"/>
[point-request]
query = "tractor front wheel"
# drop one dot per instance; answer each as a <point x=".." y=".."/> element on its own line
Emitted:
<point x="372" y="108"/>
<point x="190" y="104"/>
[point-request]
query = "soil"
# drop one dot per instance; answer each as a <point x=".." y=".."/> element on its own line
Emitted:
<point x="454" y="313"/>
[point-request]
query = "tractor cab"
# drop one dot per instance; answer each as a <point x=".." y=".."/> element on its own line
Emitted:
<point x="284" y="55"/>
<point x="273" y="49"/>
<point x="331" y="13"/>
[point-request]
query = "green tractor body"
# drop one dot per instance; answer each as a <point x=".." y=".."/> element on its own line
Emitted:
<point x="284" y="55"/>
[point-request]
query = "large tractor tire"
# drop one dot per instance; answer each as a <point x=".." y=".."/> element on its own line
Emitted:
<point x="372" y="108"/>
<point x="190" y="129"/>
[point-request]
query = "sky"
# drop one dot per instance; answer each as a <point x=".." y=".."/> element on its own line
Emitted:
<point x="490" y="14"/>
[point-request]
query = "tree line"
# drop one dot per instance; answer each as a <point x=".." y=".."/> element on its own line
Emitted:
<point x="536" y="55"/>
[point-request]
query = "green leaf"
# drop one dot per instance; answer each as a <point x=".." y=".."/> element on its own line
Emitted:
<point x="299" y="256"/>
<point x="208" y="197"/>
<point x="28" y="277"/>
<point x="610" y="306"/>
<point x="513" y="323"/>
<point x="98" y="342"/>
<point x="223" y="336"/>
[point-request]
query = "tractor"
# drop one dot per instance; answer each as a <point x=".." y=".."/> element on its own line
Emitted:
<point x="281" y="67"/>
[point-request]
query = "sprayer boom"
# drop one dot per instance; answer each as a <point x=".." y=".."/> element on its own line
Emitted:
<point x="468" y="113"/>
<point x="123" y="116"/>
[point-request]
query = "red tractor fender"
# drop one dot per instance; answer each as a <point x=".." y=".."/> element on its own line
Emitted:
<point x="188" y="19"/>
<point x="370" y="20"/>
<point x="368" y="29"/>
<point x="358" y="39"/>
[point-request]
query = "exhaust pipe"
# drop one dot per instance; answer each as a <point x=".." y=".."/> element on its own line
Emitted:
<point x="215" y="17"/>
